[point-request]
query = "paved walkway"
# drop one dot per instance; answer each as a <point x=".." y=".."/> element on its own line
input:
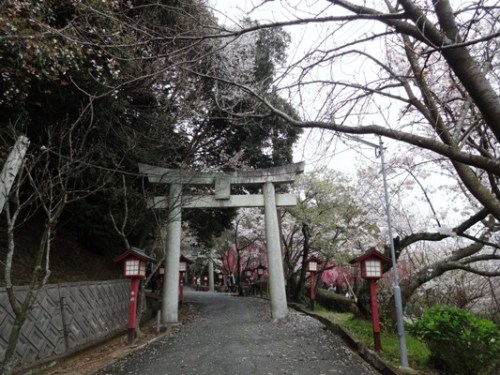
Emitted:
<point x="236" y="335"/>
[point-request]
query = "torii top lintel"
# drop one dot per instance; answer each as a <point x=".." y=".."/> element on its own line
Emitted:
<point x="276" y="175"/>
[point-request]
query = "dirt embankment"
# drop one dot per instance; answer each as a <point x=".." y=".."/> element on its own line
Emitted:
<point x="69" y="260"/>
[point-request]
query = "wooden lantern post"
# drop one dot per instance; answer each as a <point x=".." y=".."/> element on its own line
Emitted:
<point x="135" y="261"/>
<point x="183" y="262"/>
<point x="248" y="274"/>
<point x="371" y="269"/>
<point x="260" y="271"/>
<point x="312" y="266"/>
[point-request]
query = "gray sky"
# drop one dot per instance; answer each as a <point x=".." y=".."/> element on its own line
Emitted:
<point x="324" y="148"/>
<point x="316" y="148"/>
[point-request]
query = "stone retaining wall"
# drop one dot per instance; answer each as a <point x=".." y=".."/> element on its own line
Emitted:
<point x="65" y="317"/>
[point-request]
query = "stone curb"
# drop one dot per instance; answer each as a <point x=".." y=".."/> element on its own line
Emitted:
<point x="367" y="354"/>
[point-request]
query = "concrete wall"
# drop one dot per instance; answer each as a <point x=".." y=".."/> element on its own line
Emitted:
<point x="66" y="317"/>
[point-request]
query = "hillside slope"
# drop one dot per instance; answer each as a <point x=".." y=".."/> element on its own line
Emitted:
<point x="69" y="261"/>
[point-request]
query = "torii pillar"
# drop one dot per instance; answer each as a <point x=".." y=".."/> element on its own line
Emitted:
<point x="279" y="308"/>
<point x="211" y="284"/>
<point x="222" y="182"/>
<point x="170" y="294"/>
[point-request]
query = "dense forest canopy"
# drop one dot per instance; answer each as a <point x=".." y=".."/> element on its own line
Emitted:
<point x="106" y="85"/>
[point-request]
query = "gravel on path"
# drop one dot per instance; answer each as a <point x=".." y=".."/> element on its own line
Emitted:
<point x="236" y="335"/>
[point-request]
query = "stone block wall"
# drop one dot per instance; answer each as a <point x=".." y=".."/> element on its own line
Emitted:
<point x="66" y="317"/>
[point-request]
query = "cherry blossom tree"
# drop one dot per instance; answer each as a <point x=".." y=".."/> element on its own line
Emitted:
<point x="424" y="75"/>
<point x="329" y="223"/>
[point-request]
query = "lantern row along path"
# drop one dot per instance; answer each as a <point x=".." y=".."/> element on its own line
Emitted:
<point x="236" y="335"/>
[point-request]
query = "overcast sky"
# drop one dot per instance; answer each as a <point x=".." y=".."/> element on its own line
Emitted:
<point x="316" y="148"/>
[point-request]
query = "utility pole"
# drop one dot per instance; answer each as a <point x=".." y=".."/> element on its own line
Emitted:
<point x="403" y="352"/>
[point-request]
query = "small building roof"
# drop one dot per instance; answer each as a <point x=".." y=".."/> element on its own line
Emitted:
<point x="371" y="253"/>
<point x="135" y="253"/>
<point x="185" y="259"/>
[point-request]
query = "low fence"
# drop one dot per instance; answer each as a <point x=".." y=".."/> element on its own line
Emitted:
<point x="65" y="317"/>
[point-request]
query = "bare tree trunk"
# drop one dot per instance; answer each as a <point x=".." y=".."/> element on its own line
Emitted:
<point x="141" y="302"/>
<point x="38" y="280"/>
<point x="238" y="263"/>
<point x="299" y="290"/>
<point x="10" y="353"/>
<point x="21" y="314"/>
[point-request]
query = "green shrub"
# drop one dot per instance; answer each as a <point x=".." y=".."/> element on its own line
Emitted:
<point x="333" y="301"/>
<point x="460" y="342"/>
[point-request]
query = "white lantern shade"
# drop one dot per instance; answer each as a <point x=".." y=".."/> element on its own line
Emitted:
<point x="312" y="266"/>
<point x="373" y="268"/>
<point x="182" y="267"/>
<point x="135" y="268"/>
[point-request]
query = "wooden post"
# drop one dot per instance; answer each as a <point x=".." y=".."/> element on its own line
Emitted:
<point x="375" y="317"/>
<point x="312" y="292"/>
<point x="181" y="287"/>
<point x="132" y="308"/>
<point x="211" y="285"/>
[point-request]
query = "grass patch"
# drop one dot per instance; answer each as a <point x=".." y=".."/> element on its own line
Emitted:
<point x="361" y="329"/>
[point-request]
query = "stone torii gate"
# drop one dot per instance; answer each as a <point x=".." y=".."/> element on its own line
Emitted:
<point x="267" y="178"/>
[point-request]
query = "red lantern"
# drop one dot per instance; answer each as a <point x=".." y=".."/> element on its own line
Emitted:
<point x="182" y="266"/>
<point x="312" y="265"/>
<point x="183" y="262"/>
<point x="260" y="270"/>
<point x="371" y="270"/>
<point x="134" y="261"/>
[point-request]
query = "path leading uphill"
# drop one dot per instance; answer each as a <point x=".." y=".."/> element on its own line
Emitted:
<point x="236" y="335"/>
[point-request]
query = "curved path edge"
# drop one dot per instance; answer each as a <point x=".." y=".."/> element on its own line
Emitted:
<point x="364" y="352"/>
